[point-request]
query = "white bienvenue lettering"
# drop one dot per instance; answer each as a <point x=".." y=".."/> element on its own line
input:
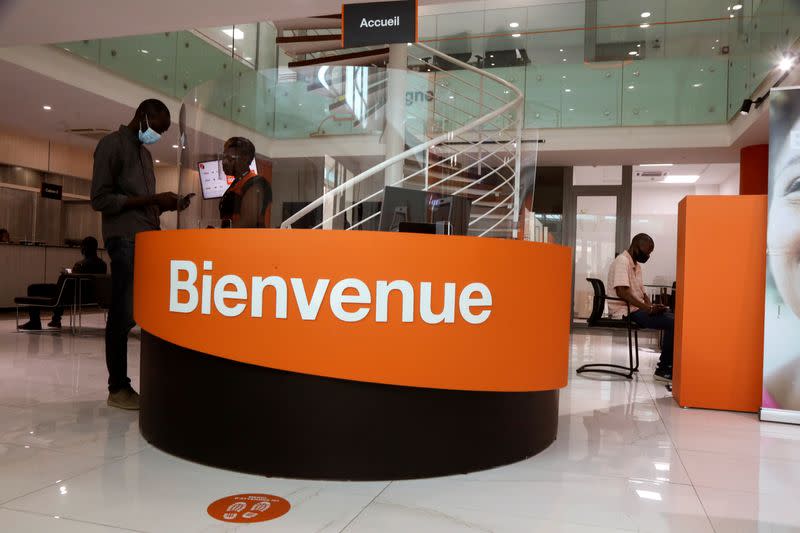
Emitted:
<point x="350" y="299"/>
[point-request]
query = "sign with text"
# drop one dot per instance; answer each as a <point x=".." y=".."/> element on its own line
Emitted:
<point x="51" y="190"/>
<point x="377" y="23"/>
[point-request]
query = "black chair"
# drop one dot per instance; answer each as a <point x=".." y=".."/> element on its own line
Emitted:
<point x="73" y="292"/>
<point x="597" y="320"/>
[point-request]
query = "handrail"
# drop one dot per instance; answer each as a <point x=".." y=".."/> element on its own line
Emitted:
<point x="420" y="148"/>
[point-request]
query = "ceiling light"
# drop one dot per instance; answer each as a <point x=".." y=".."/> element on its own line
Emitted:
<point x="572" y="109"/>
<point x="158" y="161"/>
<point x="46" y="107"/>
<point x="644" y="25"/>
<point x="563" y="77"/>
<point x="491" y="55"/>
<point x="561" y="50"/>
<point x="514" y="25"/>
<point x="567" y="90"/>
<point x="746" y="105"/>
<point x="631" y="87"/>
<point x="656" y="165"/>
<point x="633" y="53"/>
<point x="737" y="7"/>
<point x="681" y="178"/>
<point x="696" y="85"/>
<point x="786" y="63"/>
<point x="732" y="15"/>
<point x="236" y="33"/>
<point x="564" y="60"/>
<point x="451" y="97"/>
<point x="159" y="59"/>
<point x="492" y="64"/>
<point x="145" y="51"/>
<point x="645" y="14"/>
<point x="649" y="495"/>
<point x="175" y="146"/>
<point x="516" y="34"/>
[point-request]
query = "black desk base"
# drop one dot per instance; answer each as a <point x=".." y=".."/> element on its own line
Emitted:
<point x="259" y="420"/>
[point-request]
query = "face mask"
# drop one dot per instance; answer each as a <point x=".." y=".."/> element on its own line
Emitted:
<point x="148" y="136"/>
<point x="641" y="257"/>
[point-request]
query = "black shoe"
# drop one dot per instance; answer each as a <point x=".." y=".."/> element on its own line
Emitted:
<point x="31" y="326"/>
<point x="54" y="324"/>
<point x="663" y="374"/>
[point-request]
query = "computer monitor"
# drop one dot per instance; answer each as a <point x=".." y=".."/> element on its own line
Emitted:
<point x="213" y="181"/>
<point x="449" y="213"/>
<point x="403" y="205"/>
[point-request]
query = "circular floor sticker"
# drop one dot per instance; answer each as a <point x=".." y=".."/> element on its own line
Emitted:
<point x="249" y="508"/>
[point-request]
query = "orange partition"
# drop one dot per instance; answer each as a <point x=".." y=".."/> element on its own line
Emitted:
<point x="719" y="316"/>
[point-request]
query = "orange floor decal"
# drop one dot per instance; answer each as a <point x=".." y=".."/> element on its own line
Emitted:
<point x="249" y="508"/>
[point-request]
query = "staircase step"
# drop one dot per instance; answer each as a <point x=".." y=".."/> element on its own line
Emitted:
<point x="367" y="57"/>
<point x="328" y="22"/>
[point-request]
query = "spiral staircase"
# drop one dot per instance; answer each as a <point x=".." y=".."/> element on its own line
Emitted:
<point x="461" y="137"/>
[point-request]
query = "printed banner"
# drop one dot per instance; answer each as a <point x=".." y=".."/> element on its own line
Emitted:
<point x="781" y="395"/>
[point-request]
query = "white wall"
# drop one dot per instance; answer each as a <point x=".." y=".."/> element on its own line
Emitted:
<point x="730" y="187"/>
<point x="654" y="211"/>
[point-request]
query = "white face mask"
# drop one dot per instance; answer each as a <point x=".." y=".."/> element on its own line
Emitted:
<point x="150" y="135"/>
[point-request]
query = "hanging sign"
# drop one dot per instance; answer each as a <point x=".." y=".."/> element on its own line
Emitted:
<point x="377" y="23"/>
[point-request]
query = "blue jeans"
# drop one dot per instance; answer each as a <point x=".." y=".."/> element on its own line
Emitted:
<point x="120" y="315"/>
<point x="666" y="323"/>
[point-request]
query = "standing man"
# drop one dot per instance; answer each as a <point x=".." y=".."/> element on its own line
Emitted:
<point x="625" y="281"/>
<point x="124" y="191"/>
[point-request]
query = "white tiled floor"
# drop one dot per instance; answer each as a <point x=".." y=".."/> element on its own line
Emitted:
<point x="627" y="459"/>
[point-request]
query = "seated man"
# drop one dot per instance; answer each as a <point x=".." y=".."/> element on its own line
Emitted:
<point x="625" y="281"/>
<point x="90" y="264"/>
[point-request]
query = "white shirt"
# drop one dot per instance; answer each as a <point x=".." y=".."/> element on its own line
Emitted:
<point x="624" y="272"/>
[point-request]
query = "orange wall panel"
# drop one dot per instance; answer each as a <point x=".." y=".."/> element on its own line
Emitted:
<point x="719" y="322"/>
<point x="754" y="169"/>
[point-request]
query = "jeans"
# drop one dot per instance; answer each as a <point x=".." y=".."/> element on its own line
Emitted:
<point x="666" y="323"/>
<point x="120" y="315"/>
<point x="48" y="290"/>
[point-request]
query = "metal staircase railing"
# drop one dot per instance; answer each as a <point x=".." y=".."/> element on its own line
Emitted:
<point x="464" y="141"/>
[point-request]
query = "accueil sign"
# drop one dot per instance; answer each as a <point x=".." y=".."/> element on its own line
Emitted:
<point x="349" y="299"/>
<point x="377" y="23"/>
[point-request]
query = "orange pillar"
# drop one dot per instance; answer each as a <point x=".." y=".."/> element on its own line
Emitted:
<point x="719" y="314"/>
<point x="754" y="169"/>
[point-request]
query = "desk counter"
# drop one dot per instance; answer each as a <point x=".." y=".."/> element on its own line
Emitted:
<point x="350" y="355"/>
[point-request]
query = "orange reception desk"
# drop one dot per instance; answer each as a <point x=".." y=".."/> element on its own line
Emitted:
<point x="350" y="355"/>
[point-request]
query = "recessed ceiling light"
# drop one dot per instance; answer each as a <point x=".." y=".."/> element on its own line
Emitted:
<point x="561" y="50"/>
<point x="563" y="77"/>
<point x="175" y="146"/>
<point x="732" y="15"/>
<point x="696" y="85"/>
<point x="158" y="161"/>
<point x="681" y="178"/>
<point x="451" y="97"/>
<point x="46" y="107"/>
<point x="492" y="64"/>
<point x="633" y="53"/>
<point x="514" y="25"/>
<point x="644" y="25"/>
<point x="631" y="87"/>
<point x="656" y="165"/>
<point x="737" y="7"/>
<point x="145" y="51"/>
<point x="236" y="33"/>
<point x="567" y="90"/>
<point x="159" y="59"/>
<point x="786" y="63"/>
<point x="572" y="109"/>
<point x="516" y="34"/>
<point x="645" y="14"/>
<point x="564" y="60"/>
<point x="638" y="46"/>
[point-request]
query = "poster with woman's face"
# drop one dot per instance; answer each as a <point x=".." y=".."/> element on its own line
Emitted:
<point x="782" y="312"/>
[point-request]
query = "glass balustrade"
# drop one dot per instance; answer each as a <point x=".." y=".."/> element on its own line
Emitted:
<point x="686" y="62"/>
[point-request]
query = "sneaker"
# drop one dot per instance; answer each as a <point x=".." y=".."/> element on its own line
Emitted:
<point x="54" y="324"/>
<point x="663" y="375"/>
<point x="124" y="399"/>
<point x="31" y="326"/>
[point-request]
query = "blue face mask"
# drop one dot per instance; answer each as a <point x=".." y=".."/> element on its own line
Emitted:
<point x="148" y="136"/>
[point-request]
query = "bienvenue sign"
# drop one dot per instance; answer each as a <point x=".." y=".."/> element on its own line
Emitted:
<point x="376" y="23"/>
